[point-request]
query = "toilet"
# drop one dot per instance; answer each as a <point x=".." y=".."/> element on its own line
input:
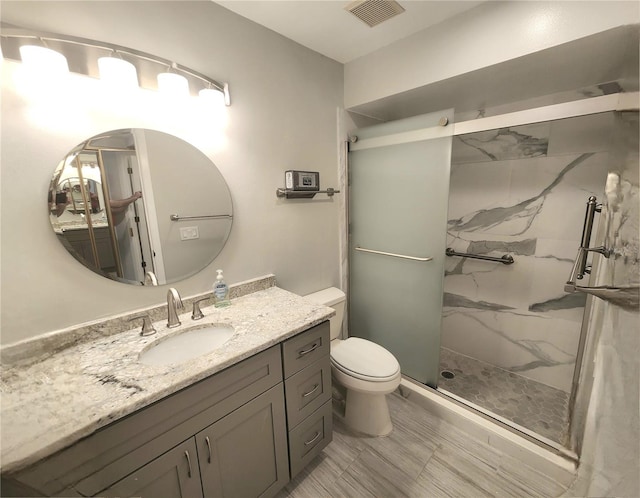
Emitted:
<point x="366" y="370"/>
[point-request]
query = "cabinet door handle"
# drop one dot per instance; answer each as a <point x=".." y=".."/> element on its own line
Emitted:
<point x="307" y="351"/>
<point x="186" y="453"/>
<point x="206" y="440"/>
<point x="315" y="388"/>
<point x="313" y="440"/>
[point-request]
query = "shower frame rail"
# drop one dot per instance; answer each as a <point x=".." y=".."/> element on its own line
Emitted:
<point x="507" y="259"/>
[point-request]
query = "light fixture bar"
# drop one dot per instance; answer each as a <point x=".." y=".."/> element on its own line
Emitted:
<point x="18" y="33"/>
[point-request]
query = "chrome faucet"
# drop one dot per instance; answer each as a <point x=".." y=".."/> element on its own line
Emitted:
<point x="174" y="302"/>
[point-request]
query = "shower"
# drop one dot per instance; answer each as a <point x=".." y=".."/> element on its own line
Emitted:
<point x="461" y="240"/>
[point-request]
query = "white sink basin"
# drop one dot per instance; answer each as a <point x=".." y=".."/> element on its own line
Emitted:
<point x="186" y="345"/>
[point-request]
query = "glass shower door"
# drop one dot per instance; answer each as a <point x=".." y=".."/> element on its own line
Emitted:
<point x="399" y="187"/>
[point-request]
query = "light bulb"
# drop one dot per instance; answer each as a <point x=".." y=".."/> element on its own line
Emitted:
<point x="212" y="96"/>
<point x="117" y="72"/>
<point x="173" y="84"/>
<point x="46" y="62"/>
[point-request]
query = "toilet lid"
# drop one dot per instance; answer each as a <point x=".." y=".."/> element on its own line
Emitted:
<point x="364" y="360"/>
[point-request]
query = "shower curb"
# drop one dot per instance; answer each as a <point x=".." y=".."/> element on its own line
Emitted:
<point x="551" y="463"/>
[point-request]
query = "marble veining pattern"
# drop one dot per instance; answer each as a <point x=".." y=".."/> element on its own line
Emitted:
<point x="50" y="403"/>
<point x="521" y="191"/>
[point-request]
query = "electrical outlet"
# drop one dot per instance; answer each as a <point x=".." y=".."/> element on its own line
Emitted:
<point x="189" y="233"/>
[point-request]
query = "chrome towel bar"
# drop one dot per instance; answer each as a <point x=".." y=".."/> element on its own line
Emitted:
<point x="303" y="194"/>
<point x="507" y="259"/>
<point x="403" y="256"/>
<point x="176" y="217"/>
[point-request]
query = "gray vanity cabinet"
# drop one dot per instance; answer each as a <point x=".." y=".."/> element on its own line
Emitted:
<point x="242" y="455"/>
<point x="174" y="474"/>
<point x="245" y="453"/>
<point x="307" y="370"/>
<point x="241" y="432"/>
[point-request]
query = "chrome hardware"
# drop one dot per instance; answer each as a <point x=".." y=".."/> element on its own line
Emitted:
<point x="581" y="260"/>
<point x="301" y="194"/>
<point x="307" y="351"/>
<point x="150" y="279"/>
<point x="315" y="438"/>
<point x="177" y="217"/>
<point x="443" y="121"/>
<point x="147" y="326"/>
<point x="196" y="312"/>
<point x="174" y="302"/>
<point x="625" y="297"/>
<point x="507" y="259"/>
<point x="414" y="258"/>
<point x="206" y="440"/>
<point x="186" y="453"/>
<point x="600" y="250"/>
<point x="315" y="388"/>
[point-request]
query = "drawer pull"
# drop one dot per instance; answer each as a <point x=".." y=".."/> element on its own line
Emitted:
<point x="206" y="440"/>
<point x="186" y="453"/>
<point x="315" y="388"/>
<point x="307" y="351"/>
<point x="313" y="440"/>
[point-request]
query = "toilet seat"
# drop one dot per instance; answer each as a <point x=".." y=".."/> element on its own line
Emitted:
<point x="364" y="360"/>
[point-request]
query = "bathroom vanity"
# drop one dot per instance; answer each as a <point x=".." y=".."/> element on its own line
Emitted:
<point x="240" y="421"/>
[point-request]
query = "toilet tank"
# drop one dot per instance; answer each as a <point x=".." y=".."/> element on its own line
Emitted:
<point x="333" y="298"/>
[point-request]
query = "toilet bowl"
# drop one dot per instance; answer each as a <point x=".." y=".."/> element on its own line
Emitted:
<point x="366" y="370"/>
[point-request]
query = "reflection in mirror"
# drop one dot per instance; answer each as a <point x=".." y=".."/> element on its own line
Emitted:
<point x="140" y="206"/>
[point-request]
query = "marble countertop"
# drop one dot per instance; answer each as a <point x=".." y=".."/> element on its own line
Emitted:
<point x="48" y="405"/>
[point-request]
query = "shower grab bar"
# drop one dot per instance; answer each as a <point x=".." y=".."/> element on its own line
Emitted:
<point x="403" y="256"/>
<point x="176" y="217"/>
<point x="507" y="259"/>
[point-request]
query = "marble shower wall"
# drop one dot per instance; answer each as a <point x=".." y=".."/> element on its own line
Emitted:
<point x="522" y="191"/>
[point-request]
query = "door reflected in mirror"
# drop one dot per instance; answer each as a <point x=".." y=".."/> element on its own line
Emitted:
<point x="140" y="207"/>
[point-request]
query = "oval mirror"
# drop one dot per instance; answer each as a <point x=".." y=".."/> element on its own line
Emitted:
<point x="140" y="206"/>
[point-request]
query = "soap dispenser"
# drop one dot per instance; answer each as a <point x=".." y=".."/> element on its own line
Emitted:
<point x="220" y="292"/>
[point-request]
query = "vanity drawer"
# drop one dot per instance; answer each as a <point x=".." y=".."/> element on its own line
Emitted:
<point x="309" y="438"/>
<point x="304" y="349"/>
<point x="307" y="390"/>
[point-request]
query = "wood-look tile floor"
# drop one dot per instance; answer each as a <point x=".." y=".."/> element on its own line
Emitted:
<point x="423" y="457"/>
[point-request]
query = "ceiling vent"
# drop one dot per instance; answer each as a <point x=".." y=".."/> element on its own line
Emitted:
<point x="373" y="12"/>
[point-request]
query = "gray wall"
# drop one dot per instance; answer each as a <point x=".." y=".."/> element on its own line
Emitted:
<point x="284" y="115"/>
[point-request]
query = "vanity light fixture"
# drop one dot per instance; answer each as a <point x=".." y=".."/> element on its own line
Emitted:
<point x="118" y="72"/>
<point x="84" y="56"/>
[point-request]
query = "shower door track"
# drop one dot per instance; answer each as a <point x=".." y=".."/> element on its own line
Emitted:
<point x="584" y="107"/>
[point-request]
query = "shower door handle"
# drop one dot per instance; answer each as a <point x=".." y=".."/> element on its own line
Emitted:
<point x="402" y="256"/>
<point x="580" y="265"/>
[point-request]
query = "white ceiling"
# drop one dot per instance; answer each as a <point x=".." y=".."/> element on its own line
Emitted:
<point x="326" y="27"/>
